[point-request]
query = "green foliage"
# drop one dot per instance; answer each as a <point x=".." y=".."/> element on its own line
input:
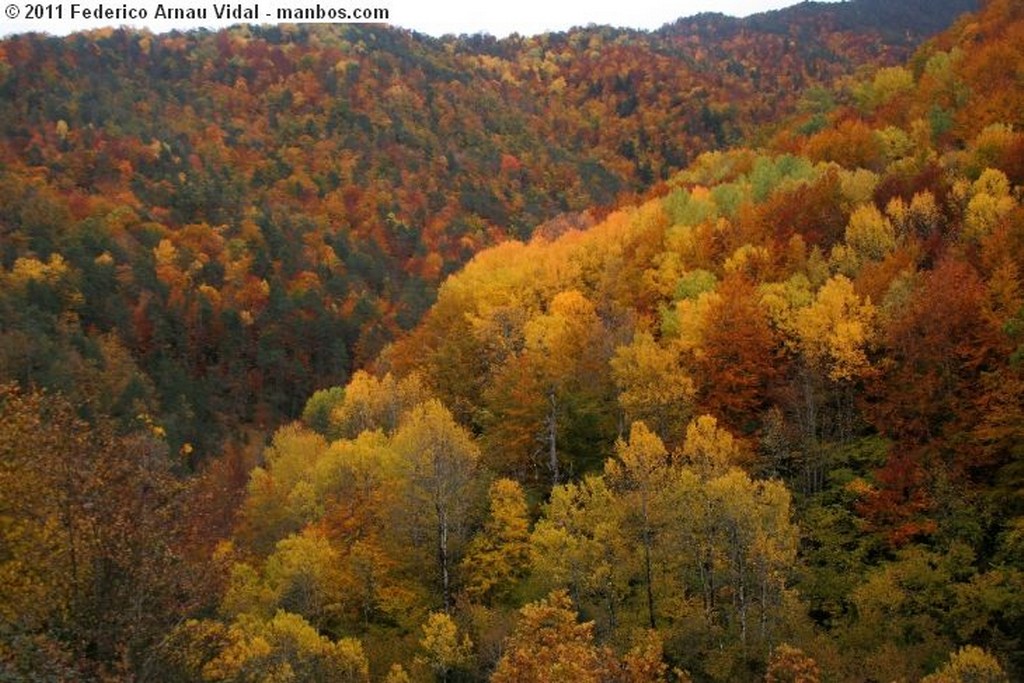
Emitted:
<point x="319" y="409"/>
<point x="694" y="283"/>
<point x="768" y="174"/>
<point x="685" y="209"/>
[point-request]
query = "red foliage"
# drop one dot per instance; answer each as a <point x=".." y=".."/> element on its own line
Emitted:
<point x="936" y="349"/>
<point x="740" y="359"/>
<point x="813" y="211"/>
<point x="901" y="505"/>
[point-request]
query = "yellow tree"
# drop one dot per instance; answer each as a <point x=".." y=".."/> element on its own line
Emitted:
<point x="440" y="468"/>
<point x="444" y="651"/>
<point x="869" y="234"/>
<point x="640" y="475"/>
<point x="707" y="454"/>
<point x="789" y="664"/>
<point x="834" y="334"/>
<point x="731" y="537"/>
<point x="277" y="501"/>
<point x="652" y="386"/>
<point x="283" y="648"/>
<point x="500" y="553"/>
<point x="836" y="330"/>
<point x="754" y="543"/>
<point x="304" y="576"/>
<point x="969" y="664"/>
<point x="990" y="201"/>
<point x="709" y="449"/>
<point x="551" y="400"/>
<point x="372" y="403"/>
<point x="578" y="545"/>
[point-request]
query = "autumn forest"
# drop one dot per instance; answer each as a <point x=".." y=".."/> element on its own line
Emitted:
<point x="345" y="353"/>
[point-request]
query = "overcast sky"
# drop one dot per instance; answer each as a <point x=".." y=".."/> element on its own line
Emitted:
<point x="434" y="17"/>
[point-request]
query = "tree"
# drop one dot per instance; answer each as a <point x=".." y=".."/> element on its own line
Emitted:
<point x="375" y="403"/>
<point x="278" y="499"/>
<point x="969" y="664"/>
<point x="869" y="234"/>
<point x="653" y="388"/>
<point x="303" y="575"/>
<point x="318" y="410"/>
<point x="284" y="648"/>
<point x="552" y="399"/>
<point x="835" y="331"/>
<point x="752" y="545"/>
<point x="834" y="335"/>
<point x="900" y="610"/>
<point x="443" y="650"/>
<point x="937" y="347"/>
<point x="789" y="664"/>
<point x="644" y="662"/>
<point x="94" y="529"/>
<point x="440" y="473"/>
<point x="639" y="476"/>
<point x="564" y="348"/>
<point x="710" y="450"/>
<point x="500" y="552"/>
<point x="731" y="540"/>
<point x="577" y="546"/>
<point x="548" y="644"/>
<point x="990" y="201"/>
<point x="738" y="357"/>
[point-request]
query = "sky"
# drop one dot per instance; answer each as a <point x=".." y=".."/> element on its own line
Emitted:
<point x="433" y="17"/>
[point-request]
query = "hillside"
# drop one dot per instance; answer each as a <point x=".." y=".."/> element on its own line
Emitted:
<point x="248" y="215"/>
<point x="761" y="421"/>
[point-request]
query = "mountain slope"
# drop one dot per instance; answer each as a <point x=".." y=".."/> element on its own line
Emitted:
<point x="764" y="425"/>
<point x="262" y="208"/>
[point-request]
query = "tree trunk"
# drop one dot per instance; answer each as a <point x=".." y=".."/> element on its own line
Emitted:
<point x="648" y="541"/>
<point x="553" y="437"/>
<point x="650" y="589"/>
<point x="442" y="558"/>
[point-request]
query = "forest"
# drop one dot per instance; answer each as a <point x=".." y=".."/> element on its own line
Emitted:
<point x="341" y="353"/>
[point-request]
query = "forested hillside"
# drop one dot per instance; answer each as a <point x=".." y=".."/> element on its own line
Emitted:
<point x="242" y="217"/>
<point x="754" y="414"/>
